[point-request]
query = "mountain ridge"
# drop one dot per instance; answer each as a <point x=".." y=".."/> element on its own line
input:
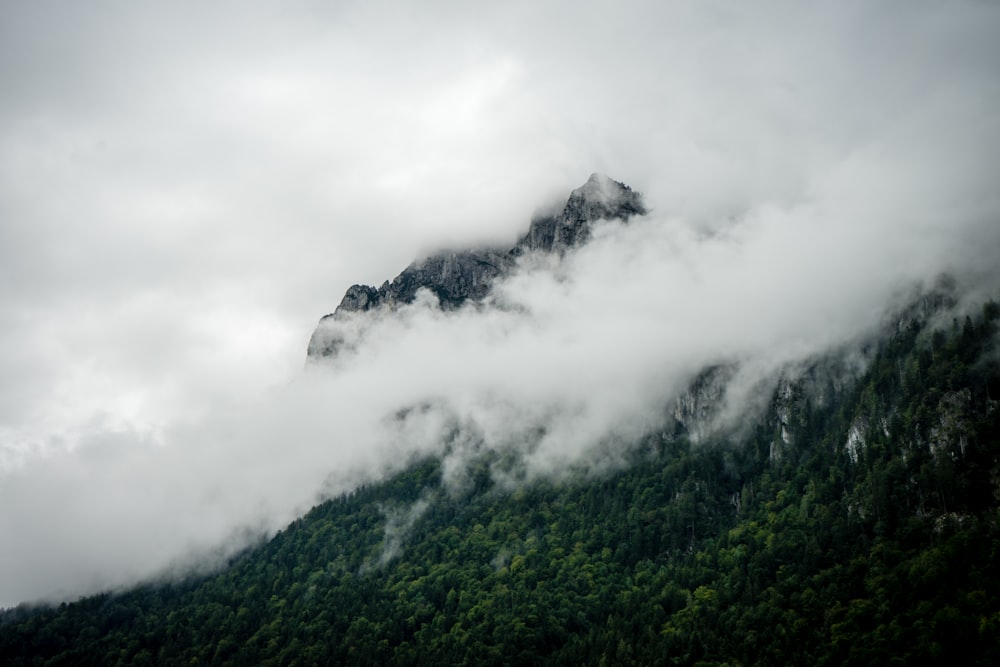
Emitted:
<point x="459" y="276"/>
<point x="840" y="509"/>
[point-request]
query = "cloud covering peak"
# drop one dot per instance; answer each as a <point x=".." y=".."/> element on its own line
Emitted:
<point x="184" y="190"/>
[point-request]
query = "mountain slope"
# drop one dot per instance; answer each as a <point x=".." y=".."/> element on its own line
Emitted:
<point x="873" y="536"/>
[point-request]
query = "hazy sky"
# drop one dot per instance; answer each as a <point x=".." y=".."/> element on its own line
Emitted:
<point x="186" y="187"/>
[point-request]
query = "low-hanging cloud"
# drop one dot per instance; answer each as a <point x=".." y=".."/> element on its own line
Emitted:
<point x="570" y="355"/>
<point x="171" y="233"/>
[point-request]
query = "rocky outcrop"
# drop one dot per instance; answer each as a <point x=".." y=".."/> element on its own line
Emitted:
<point x="696" y="409"/>
<point x="600" y="198"/>
<point x="456" y="277"/>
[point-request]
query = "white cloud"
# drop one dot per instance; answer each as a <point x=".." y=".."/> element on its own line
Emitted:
<point x="184" y="192"/>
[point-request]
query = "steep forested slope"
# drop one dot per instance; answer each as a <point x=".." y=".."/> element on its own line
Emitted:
<point x="861" y="525"/>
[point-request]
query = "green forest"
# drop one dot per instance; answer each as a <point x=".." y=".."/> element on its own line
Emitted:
<point x="870" y="537"/>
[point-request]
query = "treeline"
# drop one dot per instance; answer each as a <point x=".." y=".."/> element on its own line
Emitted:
<point x="871" y="539"/>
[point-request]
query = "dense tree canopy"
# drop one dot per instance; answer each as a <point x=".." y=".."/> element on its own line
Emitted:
<point x="871" y="535"/>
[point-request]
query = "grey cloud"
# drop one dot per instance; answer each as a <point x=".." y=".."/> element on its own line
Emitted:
<point x="184" y="192"/>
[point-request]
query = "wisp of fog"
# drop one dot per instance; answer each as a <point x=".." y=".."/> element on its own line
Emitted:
<point x="572" y="354"/>
<point x="183" y="203"/>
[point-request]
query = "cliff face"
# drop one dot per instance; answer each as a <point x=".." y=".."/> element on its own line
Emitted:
<point x="600" y="198"/>
<point x="455" y="277"/>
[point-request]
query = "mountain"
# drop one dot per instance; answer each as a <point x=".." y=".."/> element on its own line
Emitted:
<point x="456" y="277"/>
<point x="851" y="517"/>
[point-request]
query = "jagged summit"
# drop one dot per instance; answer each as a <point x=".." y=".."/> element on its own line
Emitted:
<point x="458" y="276"/>
<point x="600" y="198"/>
<point x="603" y="197"/>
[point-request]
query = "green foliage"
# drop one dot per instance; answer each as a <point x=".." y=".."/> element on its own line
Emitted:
<point x="716" y="554"/>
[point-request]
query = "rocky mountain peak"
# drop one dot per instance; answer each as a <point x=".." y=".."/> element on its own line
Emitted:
<point x="459" y="276"/>
<point x="600" y="198"/>
<point x="603" y="198"/>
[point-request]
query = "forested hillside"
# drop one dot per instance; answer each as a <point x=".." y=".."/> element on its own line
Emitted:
<point x="859" y="526"/>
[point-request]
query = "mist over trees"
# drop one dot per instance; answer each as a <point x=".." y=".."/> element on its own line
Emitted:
<point x="853" y="524"/>
<point x="741" y="410"/>
<point x="187" y="187"/>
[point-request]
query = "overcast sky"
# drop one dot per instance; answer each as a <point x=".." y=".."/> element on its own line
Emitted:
<point x="186" y="187"/>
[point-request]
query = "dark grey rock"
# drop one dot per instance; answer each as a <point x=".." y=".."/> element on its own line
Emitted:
<point x="456" y="277"/>
<point x="600" y="198"/>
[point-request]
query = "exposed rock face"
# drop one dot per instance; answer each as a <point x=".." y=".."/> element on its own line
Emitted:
<point x="455" y="277"/>
<point x="600" y="198"/>
<point x="697" y="408"/>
